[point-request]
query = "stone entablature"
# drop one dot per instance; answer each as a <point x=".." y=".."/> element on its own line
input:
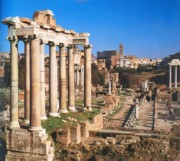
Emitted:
<point x="35" y="35"/>
<point x="44" y="29"/>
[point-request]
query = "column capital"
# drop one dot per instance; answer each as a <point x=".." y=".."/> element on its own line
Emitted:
<point x="61" y="45"/>
<point x="13" y="38"/>
<point x="33" y="36"/>
<point x="51" y="43"/>
<point x="87" y="46"/>
<point x="26" y="39"/>
<point x="42" y="42"/>
<point x="70" y="46"/>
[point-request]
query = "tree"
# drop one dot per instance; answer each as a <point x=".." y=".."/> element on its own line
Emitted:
<point x="97" y="77"/>
<point x="7" y="74"/>
<point x="21" y="73"/>
<point x="129" y="80"/>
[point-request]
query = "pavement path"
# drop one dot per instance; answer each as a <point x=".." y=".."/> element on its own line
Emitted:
<point x="145" y="120"/>
<point x="117" y="120"/>
<point x="164" y="120"/>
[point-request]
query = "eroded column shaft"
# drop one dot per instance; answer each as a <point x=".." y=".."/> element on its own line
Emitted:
<point x="35" y="111"/>
<point x="170" y="76"/>
<point x="27" y="81"/>
<point x="42" y="82"/>
<point x="53" y="81"/>
<point x="62" y="83"/>
<point x="71" y="102"/>
<point x="14" y="123"/>
<point x="87" y="77"/>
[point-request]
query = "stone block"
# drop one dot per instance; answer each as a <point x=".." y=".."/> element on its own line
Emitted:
<point x="28" y="145"/>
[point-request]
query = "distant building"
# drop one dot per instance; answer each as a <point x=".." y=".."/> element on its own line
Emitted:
<point x="106" y="55"/>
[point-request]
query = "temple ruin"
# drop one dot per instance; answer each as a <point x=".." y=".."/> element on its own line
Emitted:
<point x="35" y="34"/>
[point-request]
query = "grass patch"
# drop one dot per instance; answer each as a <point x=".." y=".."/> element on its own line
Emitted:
<point x="55" y="123"/>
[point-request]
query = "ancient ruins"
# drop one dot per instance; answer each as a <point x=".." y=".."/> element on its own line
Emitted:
<point x="66" y="116"/>
<point x="35" y="34"/>
<point x="174" y="63"/>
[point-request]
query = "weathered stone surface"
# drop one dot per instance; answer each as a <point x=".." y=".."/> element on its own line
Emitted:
<point x="33" y="145"/>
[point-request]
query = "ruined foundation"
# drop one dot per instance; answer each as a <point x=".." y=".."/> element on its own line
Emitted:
<point x="24" y="145"/>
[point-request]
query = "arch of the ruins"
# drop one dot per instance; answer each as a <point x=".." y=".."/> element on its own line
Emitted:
<point x="174" y="63"/>
<point x="37" y="33"/>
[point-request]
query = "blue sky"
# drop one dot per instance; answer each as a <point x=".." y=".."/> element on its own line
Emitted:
<point x="147" y="28"/>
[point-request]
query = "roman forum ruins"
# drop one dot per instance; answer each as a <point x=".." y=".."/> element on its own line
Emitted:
<point x="174" y="63"/>
<point x="35" y="34"/>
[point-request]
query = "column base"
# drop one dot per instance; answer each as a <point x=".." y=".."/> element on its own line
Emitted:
<point x="63" y="111"/>
<point x="14" y="124"/>
<point x="72" y="109"/>
<point x="88" y="109"/>
<point x="43" y="117"/>
<point x="35" y="128"/>
<point x="54" y="114"/>
<point x="26" y="122"/>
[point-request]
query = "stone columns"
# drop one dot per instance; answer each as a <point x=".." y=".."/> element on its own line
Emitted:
<point x="170" y="80"/>
<point x="77" y="76"/>
<point x="62" y="80"/>
<point x="27" y="82"/>
<point x="87" y="77"/>
<point x="71" y="102"/>
<point x="82" y="76"/>
<point x="175" y="77"/>
<point x="35" y="95"/>
<point x="14" y="123"/>
<point x="53" y="81"/>
<point x="42" y="82"/>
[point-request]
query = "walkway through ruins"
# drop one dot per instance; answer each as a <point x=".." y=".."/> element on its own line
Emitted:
<point x="145" y="120"/>
<point x="164" y="120"/>
<point x="117" y="120"/>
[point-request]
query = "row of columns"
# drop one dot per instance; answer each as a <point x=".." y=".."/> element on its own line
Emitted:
<point x="35" y="81"/>
<point x="79" y="76"/>
<point x="175" y="76"/>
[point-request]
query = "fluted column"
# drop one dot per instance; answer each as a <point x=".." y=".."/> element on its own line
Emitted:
<point x="170" y="76"/>
<point x="35" y="94"/>
<point x="175" y="79"/>
<point x="14" y="122"/>
<point x="62" y="83"/>
<point x="87" y="77"/>
<point x="53" y="81"/>
<point x="27" y="81"/>
<point x="71" y="102"/>
<point x="42" y="82"/>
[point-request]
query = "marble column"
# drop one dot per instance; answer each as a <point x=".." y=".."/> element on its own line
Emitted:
<point x="87" y="77"/>
<point x="77" y="76"/>
<point x="175" y="78"/>
<point x="35" y="94"/>
<point x="71" y="100"/>
<point x="27" y="82"/>
<point x="62" y="80"/>
<point x="53" y="81"/>
<point x="170" y="78"/>
<point x="82" y="76"/>
<point x="42" y="82"/>
<point x="14" y="122"/>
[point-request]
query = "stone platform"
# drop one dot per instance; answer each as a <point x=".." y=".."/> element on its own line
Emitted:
<point x="24" y="145"/>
